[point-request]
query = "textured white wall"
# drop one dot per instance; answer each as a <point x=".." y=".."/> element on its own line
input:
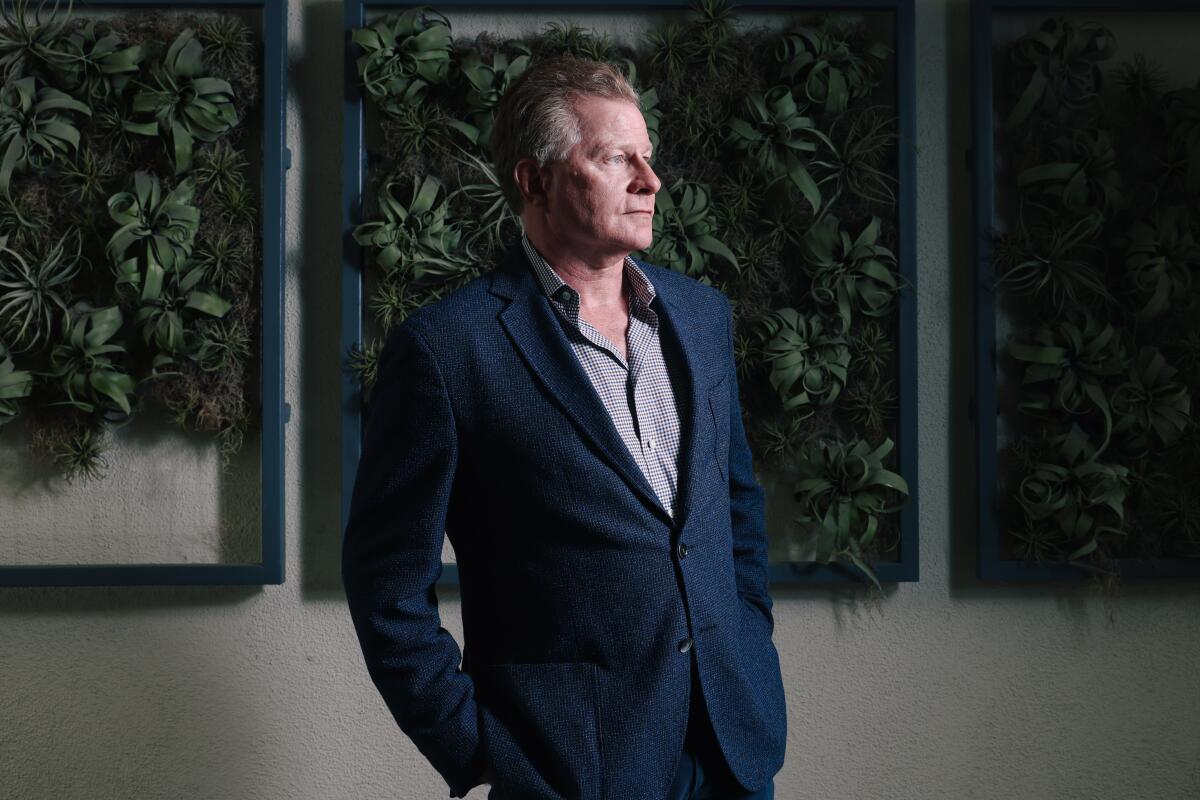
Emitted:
<point x="944" y="689"/>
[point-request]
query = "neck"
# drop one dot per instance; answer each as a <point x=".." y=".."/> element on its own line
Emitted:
<point x="598" y="278"/>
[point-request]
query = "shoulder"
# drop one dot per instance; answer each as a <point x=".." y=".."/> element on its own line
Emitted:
<point x="683" y="289"/>
<point x="453" y="317"/>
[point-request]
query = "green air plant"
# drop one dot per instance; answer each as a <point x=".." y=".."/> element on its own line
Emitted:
<point x="1150" y="408"/>
<point x="156" y="234"/>
<point x="218" y="167"/>
<point x="87" y="174"/>
<point x="403" y="54"/>
<point x="683" y="230"/>
<point x="808" y="363"/>
<point x="236" y="204"/>
<point x="25" y="214"/>
<point x="858" y="163"/>
<point x="36" y="128"/>
<point x="1055" y="263"/>
<point x="86" y="364"/>
<point x="1059" y="67"/>
<point x="92" y="66"/>
<point x="851" y="274"/>
<point x="80" y="453"/>
<point x="843" y="491"/>
<point x="184" y="104"/>
<point x="1160" y="259"/>
<point x="1067" y="366"/>
<point x="569" y="39"/>
<point x="217" y="345"/>
<point x="364" y="362"/>
<point x="163" y="317"/>
<point x="491" y="217"/>
<point x="779" y="439"/>
<point x="35" y="289"/>
<point x="228" y="42"/>
<point x="423" y="128"/>
<point x="870" y="402"/>
<point x="29" y="39"/>
<point x="871" y="347"/>
<point x="712" y="36"/>
<point x="1141" y="80"/>
<point x="488" y="82"/>
<point x="652" y="115"/>
<point x="414" y="238"/>
<point x="1083" y="180"/>
<point x="825" y="67"/>
<point x="14" y="385"/>
<point x="780" y="140"/>
<point x="225" y="255"/>
<point x="670" y="48"/>
<point x="1069" y="489"/>
<point x="392" y="302"/>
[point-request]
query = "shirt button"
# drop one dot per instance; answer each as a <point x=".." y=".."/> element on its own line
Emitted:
<point x="685" y="645"/>
<point x="682" y="550"/>
<point x="650" y="444"/>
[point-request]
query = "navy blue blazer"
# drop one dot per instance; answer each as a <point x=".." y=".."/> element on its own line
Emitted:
<point x="583" y="602"/>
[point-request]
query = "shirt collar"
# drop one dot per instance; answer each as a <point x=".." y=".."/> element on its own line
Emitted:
<point x="562" y="293"/>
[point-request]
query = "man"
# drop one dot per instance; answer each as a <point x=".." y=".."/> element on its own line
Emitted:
<point x="571" y="422"/>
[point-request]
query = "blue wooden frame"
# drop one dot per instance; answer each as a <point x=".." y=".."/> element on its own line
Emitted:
<point x="990" y="565"/>
<point x="276" y="160"/>
<point x="354" y="177"/>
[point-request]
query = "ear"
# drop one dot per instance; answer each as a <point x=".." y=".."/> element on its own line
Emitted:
<point x="532" y="181"/>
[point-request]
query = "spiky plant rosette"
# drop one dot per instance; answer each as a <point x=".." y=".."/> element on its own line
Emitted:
<point x="1150" y="408"/>
<point x="808" y="359"/>
<point x="1058" y="265"/>
<point x="779" y="138"/>
<point x="15" y="384"/>
<point x="183" y="103"/>
<point x="29" y="37"/>
<point x="1058" y="67"/>
<point x="844" y="491"/>
<point x="94" y="64"/>
<point x="402" y="55"/>
<point x="156" y="233"/>
<point x="1067" y="367"/>
<point x="1083" y="180"/>
<point x="488" y="81"/>
<point x="684" y="237"/>
<point x="87" y="366"/>
<point x="36" y="127"/>
<point x="1080" y="496"/>
<point x="826" y="68"/>
<point x="851" y="275"/>
<point x="36" y="290"/>
<point x="1161" y="257"/>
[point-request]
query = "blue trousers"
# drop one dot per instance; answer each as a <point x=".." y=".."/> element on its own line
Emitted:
<point x="703" y="773"/>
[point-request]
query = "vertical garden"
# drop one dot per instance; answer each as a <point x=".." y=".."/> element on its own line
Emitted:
<point x="778" y="149"/>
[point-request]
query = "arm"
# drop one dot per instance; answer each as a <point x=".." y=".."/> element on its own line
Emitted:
<point x="391" y="559"/>
<point x="746" y="506"/>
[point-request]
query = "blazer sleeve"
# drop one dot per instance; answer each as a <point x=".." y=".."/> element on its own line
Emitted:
<point x="746" y="504"/>
<point x="391" y="560"/>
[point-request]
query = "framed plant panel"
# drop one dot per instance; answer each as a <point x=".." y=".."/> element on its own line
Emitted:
<point x="142" y="166"/>
<point x="1087" y="242"/>
<point x="783" y="135"/>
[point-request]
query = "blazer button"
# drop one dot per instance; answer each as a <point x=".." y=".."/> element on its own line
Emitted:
<point x="685" y="645"/>
<point x="682" y="550"/>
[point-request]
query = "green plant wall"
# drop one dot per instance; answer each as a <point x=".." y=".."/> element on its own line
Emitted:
<point x="1096" y="267"/>
<point x="777" y="150"/>
<point x="129" y="247"/>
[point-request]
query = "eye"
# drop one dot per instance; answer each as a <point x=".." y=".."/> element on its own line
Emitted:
<point x="617" y="159"/>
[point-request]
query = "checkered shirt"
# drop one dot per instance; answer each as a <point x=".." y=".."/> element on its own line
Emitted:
<point x="637" y="393"/>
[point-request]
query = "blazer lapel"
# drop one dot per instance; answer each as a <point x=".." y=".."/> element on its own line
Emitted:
<point x="537" y="333"/>
<point x="694" y="402"/>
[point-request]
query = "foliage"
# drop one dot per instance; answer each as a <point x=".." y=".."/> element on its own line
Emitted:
<point x="851" y="274"/>
<point x="86" y="364"/>
<point x="1160" y="259"/>
<point x="414" y="237"/>
<point x="36" y="129"/>
<point x="1083" y="180"/>
<point x="683" y="231"/>
<point x="98" y="66"/>
<point x="27" y="39"/>
<point x="402" y="55"/>
<point x="14" y="385"/>
<point x="827" y="69"/>
<point x="35" y="289"/>
<point x="780" y="140"/>
<point x="156" y="234"/>
<point x="1055" y="263"/>
<point x="185" y="104"/>
<point x="1149" y="408"/>
<point x="488" y="80"/>
<point x="808" y="363"/>
<point x="1058" y="65"/>
<point x="844" y="490"/>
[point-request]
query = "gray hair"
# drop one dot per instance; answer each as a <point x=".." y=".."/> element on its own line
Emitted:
<point x="535" y="118"/>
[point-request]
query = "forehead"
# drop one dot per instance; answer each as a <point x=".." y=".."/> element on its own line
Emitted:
<point x="607" y="122"/>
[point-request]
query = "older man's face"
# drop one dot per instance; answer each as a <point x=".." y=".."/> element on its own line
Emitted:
<point x="600" y="201"/>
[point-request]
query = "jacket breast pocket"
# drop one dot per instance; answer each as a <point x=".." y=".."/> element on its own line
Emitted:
<point x="541" y="729"/>
<point x="718" y="403"/>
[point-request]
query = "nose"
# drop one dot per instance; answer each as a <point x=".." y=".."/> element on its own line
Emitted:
<point x="645" y="181"/>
